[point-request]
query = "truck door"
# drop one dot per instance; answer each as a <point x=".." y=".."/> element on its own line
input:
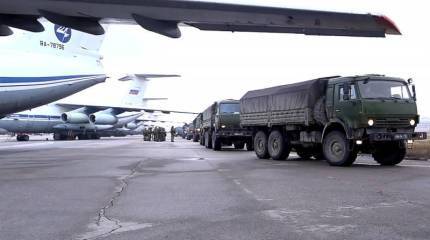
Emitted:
<point x="346" y="104"/>
<point x="329" y="102"/>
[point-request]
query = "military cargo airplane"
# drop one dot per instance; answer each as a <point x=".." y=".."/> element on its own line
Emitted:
<point x="164" y="17"/>
<point x="39" y="68"/>
<point x="68" y="121"/>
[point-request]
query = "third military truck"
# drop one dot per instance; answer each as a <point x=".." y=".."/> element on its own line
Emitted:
<point x="334" y="118"/>
<point x="221" y="126"/>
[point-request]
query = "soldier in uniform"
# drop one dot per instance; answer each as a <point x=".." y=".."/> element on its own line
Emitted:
<point x="163" y="134"/>
<point x="172" y="134"/>
<point x="156" y="134"/>
<point x="150" y="133"/>
<point x="145" y="133"/>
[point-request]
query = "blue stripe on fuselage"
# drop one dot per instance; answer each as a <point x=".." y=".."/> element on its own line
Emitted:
<point x="39" y="79"/>
<point x="31" y="117"/>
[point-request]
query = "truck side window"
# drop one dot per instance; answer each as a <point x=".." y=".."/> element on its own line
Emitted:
<point x="352" y="94"/>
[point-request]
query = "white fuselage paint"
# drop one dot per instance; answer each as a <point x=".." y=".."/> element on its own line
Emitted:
<point x="37" y="68"/>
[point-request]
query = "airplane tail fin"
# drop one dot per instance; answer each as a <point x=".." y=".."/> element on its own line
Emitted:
<point x="135" y="95"/>
<point x="59" y="40"/>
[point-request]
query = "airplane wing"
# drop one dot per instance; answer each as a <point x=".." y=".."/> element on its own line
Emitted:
<point x="164" y="17"/>
<point x="120" y="109"/>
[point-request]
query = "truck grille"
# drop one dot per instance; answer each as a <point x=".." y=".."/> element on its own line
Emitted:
<point x="392" y="122"/>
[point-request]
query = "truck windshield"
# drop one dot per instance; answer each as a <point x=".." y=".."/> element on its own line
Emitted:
<point x="383" y="90"/>
<point x="229" y="108"/>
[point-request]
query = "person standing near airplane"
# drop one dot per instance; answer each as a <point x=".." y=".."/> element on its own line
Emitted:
<point x="172" y="134"/>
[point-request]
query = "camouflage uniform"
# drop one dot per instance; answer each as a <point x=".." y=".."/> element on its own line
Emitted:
<point x="172" y="134"/>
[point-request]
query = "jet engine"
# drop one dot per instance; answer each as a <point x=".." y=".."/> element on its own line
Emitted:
<point x="131" y="125"/>
<point x="74" y="118"/>
<point x="103" y="119"/>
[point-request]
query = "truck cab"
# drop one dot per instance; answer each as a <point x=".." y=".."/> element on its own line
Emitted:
<point x="377" y="114"/>
<point x="334" y="118"/>
<point x="225" y="126"/>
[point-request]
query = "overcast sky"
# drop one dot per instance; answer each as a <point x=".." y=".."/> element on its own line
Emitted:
<point x="220" y="65"/>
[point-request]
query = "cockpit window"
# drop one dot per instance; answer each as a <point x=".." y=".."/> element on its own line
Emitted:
<point x="383" y="90"/>
<point x="229" y="108"/>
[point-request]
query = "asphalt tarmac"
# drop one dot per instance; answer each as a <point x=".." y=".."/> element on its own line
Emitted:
<point x="123" y="188"/>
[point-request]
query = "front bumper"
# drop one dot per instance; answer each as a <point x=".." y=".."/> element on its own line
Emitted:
<point x="384" y="137"/>
<point x="234" y="133"/>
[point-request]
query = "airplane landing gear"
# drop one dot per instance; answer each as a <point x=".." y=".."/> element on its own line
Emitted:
<point x="22" y="138"/>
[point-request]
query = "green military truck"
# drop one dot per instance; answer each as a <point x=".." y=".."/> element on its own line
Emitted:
<point x="190" y="131"/>
<point x="334" y="118"/>
<point x="197" y="128"/>
<point x="221" y="126"/>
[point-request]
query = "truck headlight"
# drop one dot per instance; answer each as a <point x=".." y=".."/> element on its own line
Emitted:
<point x="371" y="122"/>
<point x="412" y="122"/>
<point x="223" y="126"/>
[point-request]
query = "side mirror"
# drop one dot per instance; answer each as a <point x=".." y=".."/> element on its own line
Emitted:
<point x="410" y="81"/>
<point x="414" y="93"/>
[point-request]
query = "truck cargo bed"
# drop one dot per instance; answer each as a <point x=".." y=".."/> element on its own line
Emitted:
<point x="281" y="105"/>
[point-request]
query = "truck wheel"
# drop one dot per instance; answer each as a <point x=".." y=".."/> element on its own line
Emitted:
<point x="390" y="154"/>
<point x="208" y="142"/>
<point x="239" y="145"/>
<point x="336" y="150"/>
<point x="278" y="146"/>
<point x="260" y="145"/>
<point x="216" y="142"/>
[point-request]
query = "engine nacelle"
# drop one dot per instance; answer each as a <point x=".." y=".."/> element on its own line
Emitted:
<point x="103" y="119"/>
<point x="131" y="126"/>
<point x="75" y="118"/>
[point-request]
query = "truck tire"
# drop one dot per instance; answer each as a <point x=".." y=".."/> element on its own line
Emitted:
<point x="208" y="142"/>
<point x="260" y="145"/>
<point x="336" y="150"/>
<point x="239" y="145"/>
<point x="216" y="142"/>
<point x="319" y="111"/>
<point x="390" y="154"/>
<point x="278" y="146"/>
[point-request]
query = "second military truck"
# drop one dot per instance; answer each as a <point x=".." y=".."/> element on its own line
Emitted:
<point x="334" y="118"/>
<point x="221" y="126"/>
